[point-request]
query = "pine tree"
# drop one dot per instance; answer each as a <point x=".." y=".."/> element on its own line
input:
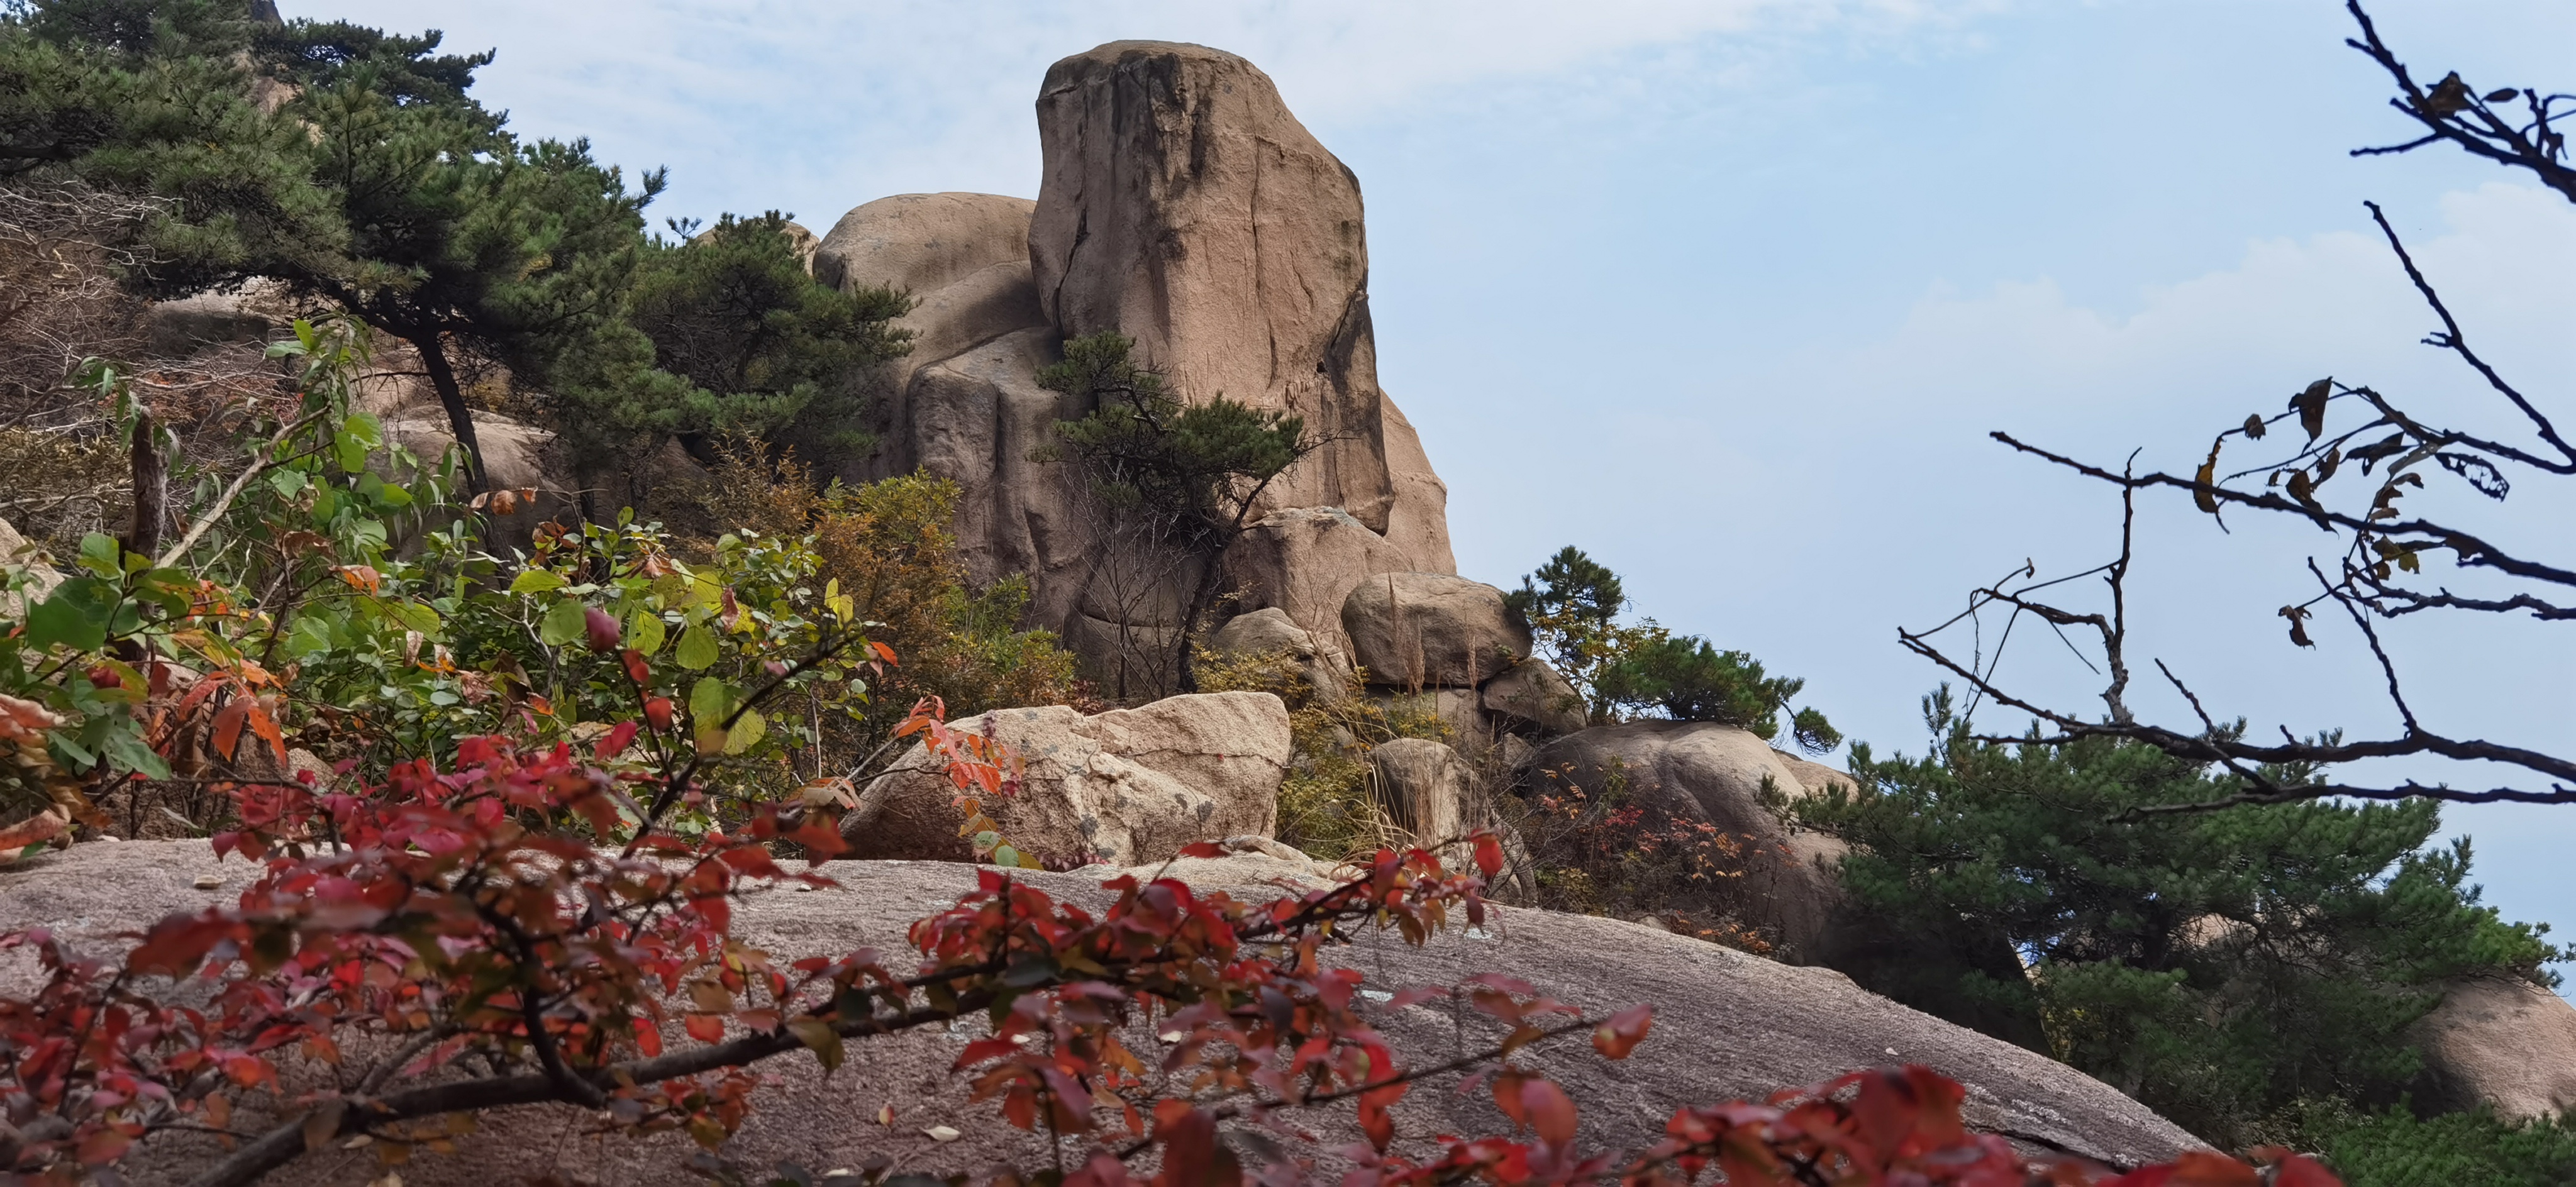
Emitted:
<point x="2219" y="966"/>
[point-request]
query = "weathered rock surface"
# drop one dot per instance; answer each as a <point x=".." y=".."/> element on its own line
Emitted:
<point x="921" y="243"/>
<point x="1423" y="785"/>
<point x="1305" y="561"/>
<point x="1704" y="772"/>
<point x="1182" y="205"/>
<point x="2499" y="1041"/>
<point x="1419" y="523"/>
<point x="1416" y="629"/>
<point x="1533" y="696"/>
<point x="1269" y="632"/>
<point x="1727" y="1025"/>
<point x="16" y="550"/>
<point x="1125" y="786"/>
<point x="515" y="456"/>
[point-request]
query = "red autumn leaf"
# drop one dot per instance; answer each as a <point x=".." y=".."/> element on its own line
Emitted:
<point x="1548" y="1110"/>
<point x="1489" y="854"/>
<point x="706" y="1028"/>
<point x="636" y="669"/>
<point x="617" y="740"/>
<point x="884" y="653"/>
<point x="657" y="712"/>
<point x="601" y="629"/>
<point x="1615" y="1038"/>
<point x="1200" y="849"/>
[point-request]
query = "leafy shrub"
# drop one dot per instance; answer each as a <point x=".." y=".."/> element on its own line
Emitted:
<point x="1597" y="853"/>
<point x="1325" y="805"/>
<point x="889" y="547"/>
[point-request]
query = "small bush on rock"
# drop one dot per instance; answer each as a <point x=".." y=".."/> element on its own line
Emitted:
<point x="1620" y="670"/>
<point x="1325" y="807"/>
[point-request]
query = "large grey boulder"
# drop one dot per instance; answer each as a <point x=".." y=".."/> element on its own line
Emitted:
<point x="1412" y="630"/>
<point x="1424" y="786"/>
<point x="2502" y="1042"/>
<point x="1183" y="205"/>
<point x="1705" y="773"/>
<point x="921" y="243"/>
<point x="1125" y="786"/>
<point x="1534" y="697"/>
<point x="1270" y="632"/>
<point x="1727" y="1025"/>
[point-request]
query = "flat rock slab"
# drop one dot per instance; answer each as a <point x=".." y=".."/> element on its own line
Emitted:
<point x="1727" y="1025"/>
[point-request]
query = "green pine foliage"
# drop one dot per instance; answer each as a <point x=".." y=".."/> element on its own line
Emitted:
<point x="765" y="349"/>
<point x="1573" y="603"/>
<point x="2216" y="965"/>
<point x="355" y="165"/>
<point x="2396" y="1148"/>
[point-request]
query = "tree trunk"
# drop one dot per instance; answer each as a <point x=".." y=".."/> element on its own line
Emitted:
<point x="460" y="419"/>
<point x="1190" y="614"/>
<point x="151" y="488"/>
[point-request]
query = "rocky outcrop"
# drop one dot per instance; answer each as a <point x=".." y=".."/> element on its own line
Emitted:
<point x="1727" y="1025"/>
<point x="1304" y="562"/>
<point x="1705" y="773"/>
<point x="2502" y="1042"/>
<point x="1410" y="630"/>
<point x="516" y="457"/>
<point x="1125" y="786"/>
<point x="1183" y="206"/>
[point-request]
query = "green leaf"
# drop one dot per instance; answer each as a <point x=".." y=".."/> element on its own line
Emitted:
<point x="351" y="451"/>
<point x="746" y="732"/>
<point x="102" y="555"/>
<point x="536" y="581"/>
<point x="76" y="616"/>
<point x="128" y="748"/>
<point x="818" y="1037"/>
<point x="697" y="651"/>
<point x="644" y="632"/>
<point x="562" y="624"/>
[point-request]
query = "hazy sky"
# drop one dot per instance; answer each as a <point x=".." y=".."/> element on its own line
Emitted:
<point x="1730" y="293"/>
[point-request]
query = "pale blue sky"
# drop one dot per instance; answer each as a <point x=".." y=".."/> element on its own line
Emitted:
<point x="1729" y="293"/>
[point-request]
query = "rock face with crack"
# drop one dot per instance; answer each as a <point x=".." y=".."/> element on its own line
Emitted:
<point x="1183" y="206"/>
<point x="1727" y="1025"/>
<point x="1127" y="786"/>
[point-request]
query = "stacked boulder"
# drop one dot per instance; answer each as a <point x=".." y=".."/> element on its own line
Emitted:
<point x="1440" y="644"/>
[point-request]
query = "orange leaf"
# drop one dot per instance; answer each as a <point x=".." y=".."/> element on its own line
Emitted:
<point x="261" y="724"/>
<point x="43" y="826"/>
<point x="228" y="726"/>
